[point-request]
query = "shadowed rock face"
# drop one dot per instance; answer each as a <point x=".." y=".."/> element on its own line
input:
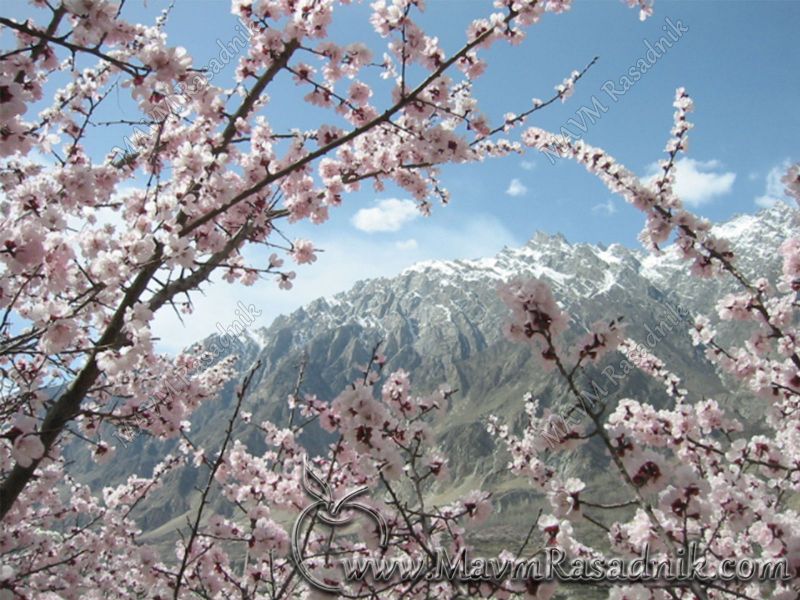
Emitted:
<point x="442" y="322"/>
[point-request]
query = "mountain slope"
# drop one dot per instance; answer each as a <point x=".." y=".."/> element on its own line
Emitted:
<point x="442" y="321"/>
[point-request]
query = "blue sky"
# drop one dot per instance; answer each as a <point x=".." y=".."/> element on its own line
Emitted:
<point x="738" y="60"/>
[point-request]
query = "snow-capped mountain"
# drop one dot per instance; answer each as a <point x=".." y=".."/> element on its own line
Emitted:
<point x="576" y="272"/>
<point x="442" y="321"/>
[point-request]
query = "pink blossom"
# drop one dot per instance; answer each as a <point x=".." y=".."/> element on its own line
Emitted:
<point x="303" y="252"/>
<point x="27" y="449"/>
<point x="792" y="181"/>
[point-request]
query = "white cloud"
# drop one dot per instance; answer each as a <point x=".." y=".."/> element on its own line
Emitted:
<point x="698" y="182"/>
<point x="606" y="207"/>
<point x="774" y="190"/>
<point x="410" y="244"/>
<point x="389" y="215"/>
<point x="516" y="188"/>
<point x="528" y="165"/>
<point x="337" y="269"/>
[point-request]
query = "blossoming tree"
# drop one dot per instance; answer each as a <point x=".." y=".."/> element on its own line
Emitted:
<point x="213" y="176"/>
<point x="693" y="475"/>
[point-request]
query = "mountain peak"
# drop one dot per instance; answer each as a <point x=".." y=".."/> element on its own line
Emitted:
<point x="542" y="237"/>
<point x="779" y="219"/>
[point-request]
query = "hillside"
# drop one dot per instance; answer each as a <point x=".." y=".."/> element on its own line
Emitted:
<point x="442" y="322"/>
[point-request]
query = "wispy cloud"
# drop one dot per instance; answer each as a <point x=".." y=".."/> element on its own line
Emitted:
<point x="516" y="188"/>
<point x="698" y="182"/>
<point x="528" y="165"/>
<point x="389" y="215"/>
<point x="606" y="207"/>
<point x="410" y="244"/>
<point x="774" y="190"/>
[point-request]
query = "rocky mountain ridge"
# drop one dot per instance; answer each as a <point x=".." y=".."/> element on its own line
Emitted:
<point x="442" y="321"/>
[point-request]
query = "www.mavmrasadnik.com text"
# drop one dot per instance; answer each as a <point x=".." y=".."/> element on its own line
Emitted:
<point x="556" y="565"/>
